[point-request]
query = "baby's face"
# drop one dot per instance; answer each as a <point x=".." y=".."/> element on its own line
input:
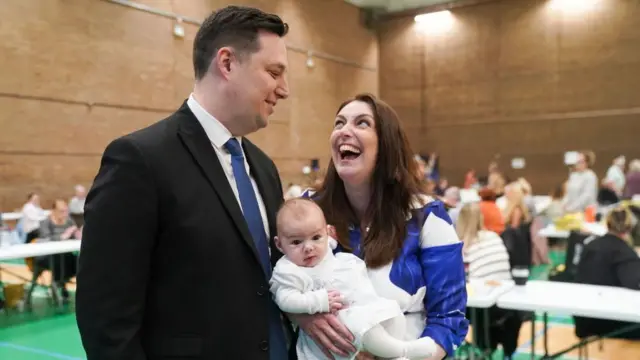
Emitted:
<point x="304" y="241"/>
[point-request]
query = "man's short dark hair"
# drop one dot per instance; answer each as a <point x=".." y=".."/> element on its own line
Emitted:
<point x="234" y="26"/>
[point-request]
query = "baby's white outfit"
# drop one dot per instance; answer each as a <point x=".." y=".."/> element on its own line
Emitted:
<point x="345" y="273"/>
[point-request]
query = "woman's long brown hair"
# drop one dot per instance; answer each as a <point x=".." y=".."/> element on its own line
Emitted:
<point x="395" y="186"/>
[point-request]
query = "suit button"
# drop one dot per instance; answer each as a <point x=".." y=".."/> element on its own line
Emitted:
<point x="264" y="346"/>
<point x="262" y="290"/>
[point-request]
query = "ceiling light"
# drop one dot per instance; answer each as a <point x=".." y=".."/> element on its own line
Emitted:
<point x="435" y="22"/>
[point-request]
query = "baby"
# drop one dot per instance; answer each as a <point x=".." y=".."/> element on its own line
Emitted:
<point x="310" y="279"/>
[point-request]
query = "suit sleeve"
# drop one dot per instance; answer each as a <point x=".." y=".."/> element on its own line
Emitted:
<point x="118" y="238"/>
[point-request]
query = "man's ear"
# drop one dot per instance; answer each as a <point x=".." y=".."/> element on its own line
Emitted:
<point x="277" y="242"/>
<point x="223" y="61"/>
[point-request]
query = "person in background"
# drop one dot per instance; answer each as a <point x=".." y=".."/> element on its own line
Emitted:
<point x="451" y="198"/>
<point x="632" y="187"/>
<point x="527" y="195"/>
<point x="491" y="214"/>
<point x="582" y="186"/>
<point x="470" y="179"/>
<point x="609" y="260"/>
<point x="442" y="186"/>
<point x="615" y="179"/>
<point x="495" y="179"/>
<point x="59" y="226"/>
<point x="555" y="209"/>
<point x="293" y="191"/>
<point x="32" y="215"/>
<point x="434" y="166"/>
<point x="484" y="251"/>
<point x="76" y="205"/>
<point x="516" y="212"/>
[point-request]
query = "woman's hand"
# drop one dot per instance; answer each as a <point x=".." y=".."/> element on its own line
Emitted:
<point x="68" y="232"/>
<point x="327" y="332"/>
<point x="365" y="356"/>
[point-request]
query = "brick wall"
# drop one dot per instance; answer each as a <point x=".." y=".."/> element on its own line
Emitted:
<point x="516" y="78"/>
<point x="77" y="73"/>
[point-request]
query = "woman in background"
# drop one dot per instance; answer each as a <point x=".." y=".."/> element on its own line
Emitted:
<point x="582" y="186"/>
<point x="56" y="227"/>
<point x="491" y="214"/>
<point x="609" y="260"/>
<point x="632" y="186"/>
<point x="555" y="209"/>
<point x="484" y="252"/>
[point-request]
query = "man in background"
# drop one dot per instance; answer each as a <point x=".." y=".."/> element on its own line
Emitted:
<point x="76" y="205"/>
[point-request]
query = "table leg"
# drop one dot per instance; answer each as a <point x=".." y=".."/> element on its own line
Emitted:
<point x="54" y="286"/>
<point x="474" y="321"/>
<point x="546" y="338"/>
<point x="487" y="335"/>
<point x="533" y="336"/>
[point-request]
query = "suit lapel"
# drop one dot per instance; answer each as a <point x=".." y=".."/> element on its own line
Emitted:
<point x="197" y="143"/>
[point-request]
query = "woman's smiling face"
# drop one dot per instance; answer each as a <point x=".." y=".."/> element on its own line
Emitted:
<point x="354" y="143"/>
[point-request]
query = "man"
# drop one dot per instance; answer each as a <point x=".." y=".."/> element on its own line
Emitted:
<point x="76" y="205"/>
<point x="179" y="220"/>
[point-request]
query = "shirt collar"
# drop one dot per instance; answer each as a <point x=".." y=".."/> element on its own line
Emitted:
<point x="217" y="133"/>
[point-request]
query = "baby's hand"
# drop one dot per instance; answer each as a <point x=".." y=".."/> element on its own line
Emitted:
<point x="335" y="301"/>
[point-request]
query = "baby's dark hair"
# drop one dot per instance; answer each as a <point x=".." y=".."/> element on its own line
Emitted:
<point x="619" y="220"/>
<point x="298" y="208"/>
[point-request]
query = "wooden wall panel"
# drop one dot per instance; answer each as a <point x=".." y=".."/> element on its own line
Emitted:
<point x="76" y="74"/>
<point x="518" y="78"/>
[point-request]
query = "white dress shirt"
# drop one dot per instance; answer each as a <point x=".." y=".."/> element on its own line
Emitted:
<point x="219" y="135"/>
<point x="32" y="215"/>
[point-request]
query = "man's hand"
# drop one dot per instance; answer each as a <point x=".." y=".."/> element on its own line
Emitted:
<point x="335" y="301"/>
<point x="327" y="332"/>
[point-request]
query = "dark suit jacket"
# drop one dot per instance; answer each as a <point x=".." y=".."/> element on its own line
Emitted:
<point x="168" y="268"/>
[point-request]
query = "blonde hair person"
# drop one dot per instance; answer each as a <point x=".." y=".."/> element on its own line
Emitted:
<point x="483" y="250"/>
<point x="620" y="222"/>
<point x="516" y="211"/>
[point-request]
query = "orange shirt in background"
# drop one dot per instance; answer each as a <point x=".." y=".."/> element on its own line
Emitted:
<point x="493" y="220"/>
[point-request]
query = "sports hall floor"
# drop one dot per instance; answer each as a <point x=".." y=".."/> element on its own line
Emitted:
<point x="45" y="334"/>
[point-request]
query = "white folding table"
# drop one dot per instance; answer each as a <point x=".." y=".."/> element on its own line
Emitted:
<point x="23" y="251"/>
<point x="601" y="302"/>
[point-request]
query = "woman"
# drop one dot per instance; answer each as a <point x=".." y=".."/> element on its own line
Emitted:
<point x="56" y="227"/>
<point x="491" y="214"/>
<point x="632" y="187"/>
<point x="582" y="186"/>
<point x="516" y="212"/>
<point x="609" y="260"/>
<point x="555" y="209"/>
<point x="373" y="198"/>
<point x="484" y="251"/>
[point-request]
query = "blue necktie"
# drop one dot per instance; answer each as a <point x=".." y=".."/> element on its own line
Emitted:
<point x="251" y="211"/>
